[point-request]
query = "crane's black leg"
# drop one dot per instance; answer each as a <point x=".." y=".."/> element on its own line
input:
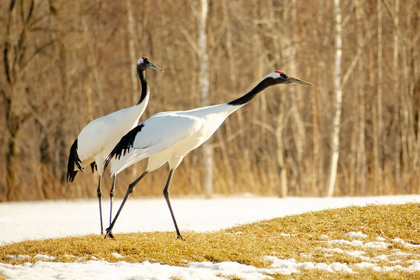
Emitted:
<point x="99" y="193"/>
<point x="166" y="195"/>
<point x="111" y="197"/>
<point x="129" y="191"/>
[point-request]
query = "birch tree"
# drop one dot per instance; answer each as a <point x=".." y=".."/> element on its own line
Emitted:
<point x="207" y="148"/>
<point x="335" y="133"/>
<point x="205" y="100"/>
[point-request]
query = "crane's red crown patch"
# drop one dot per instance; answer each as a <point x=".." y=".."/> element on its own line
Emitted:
<point x="278" y="71"/>
<point x="145" y="57"/>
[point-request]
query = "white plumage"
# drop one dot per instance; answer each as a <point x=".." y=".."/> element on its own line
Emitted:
<point x="99" y="137"/>
<point x="182" y="132"/>
<point x="169" y="136"/>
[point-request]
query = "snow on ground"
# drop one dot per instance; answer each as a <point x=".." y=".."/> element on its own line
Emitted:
<point x="46" y="219"/>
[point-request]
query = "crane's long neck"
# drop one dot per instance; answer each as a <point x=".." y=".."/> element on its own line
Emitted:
<point x="250" y="95"/>
<point x="144" y="87"/>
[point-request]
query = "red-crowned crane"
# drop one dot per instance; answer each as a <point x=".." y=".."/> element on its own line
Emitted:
<point x="99" y="137"/>
<point x="170" y="136"/>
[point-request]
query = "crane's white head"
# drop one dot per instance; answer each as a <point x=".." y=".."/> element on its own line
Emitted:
<point x="144" y="63"/>
<point x="278" y="77"/>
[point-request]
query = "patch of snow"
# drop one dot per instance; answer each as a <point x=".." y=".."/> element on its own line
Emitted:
<point x="356" y="253"/>
<point x="409" y="245"/>
<point x="324" y="266"/>
<point x="102" y="270"/>
<point x="363" y="265"/>
<point x="398" y="241"/>
<point x="414" y="267"/>
<point x="195" y="270"/>
<point x="116" y="255"/>
<point x="341" y="267"/>
<point x="355" y="235"/>
<point x="380" y="238"/>
<point x="345" y="242"/>
<point x="376" y="245"/>
<point x="41" y="257"/>
<point x="381" y="257"/>
<point x="403" y="243"/>
<point x="305" y="255"/>
<point x="18" y="257"/>
<point x="400" y="254"/>
<point x="332" y="250"/>
<point x="287" y="266"/>
<point x="391" y="268"/>
<point x="241" y="271"/>
<point x="323" y="237"/>
<point x="305" y="266"/>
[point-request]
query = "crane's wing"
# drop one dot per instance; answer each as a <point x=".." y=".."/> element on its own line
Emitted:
<point x="156" y="134"/>
<point x="102" y="134"/>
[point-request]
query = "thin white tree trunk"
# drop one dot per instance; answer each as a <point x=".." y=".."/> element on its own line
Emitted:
<point x="335" y="134"/>
<point x="208" y="157"/>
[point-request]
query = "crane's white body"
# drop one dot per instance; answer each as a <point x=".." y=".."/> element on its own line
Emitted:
<point x="169" y="136"/>
<point x="99" y="137"/>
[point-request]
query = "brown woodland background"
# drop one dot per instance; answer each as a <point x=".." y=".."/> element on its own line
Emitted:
<point x="65" y="63"/>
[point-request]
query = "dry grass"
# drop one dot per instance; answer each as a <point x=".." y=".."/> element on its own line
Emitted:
<point x="248" y="244"/>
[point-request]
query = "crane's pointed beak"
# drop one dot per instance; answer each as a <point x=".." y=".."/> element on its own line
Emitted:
<point x="297" y="81"/>
<point x="154" y="67"/>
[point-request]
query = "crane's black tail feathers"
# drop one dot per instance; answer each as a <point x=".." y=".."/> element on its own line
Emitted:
<point x="73" y="160"/>
<point x="124" y="146"/>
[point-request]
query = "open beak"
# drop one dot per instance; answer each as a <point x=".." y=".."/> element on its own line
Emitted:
<point x="297" y="81"/>
<point x="154" y="67"/>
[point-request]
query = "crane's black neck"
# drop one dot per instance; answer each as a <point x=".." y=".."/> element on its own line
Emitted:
<point x="250" y="95"/>
<point x="143" y="83"/>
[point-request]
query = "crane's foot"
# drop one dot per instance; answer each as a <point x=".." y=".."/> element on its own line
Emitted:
<point x="109" y="233"/>
<point x="180" y="237"/>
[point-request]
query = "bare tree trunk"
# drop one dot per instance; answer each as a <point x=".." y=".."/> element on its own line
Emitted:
<point x="379" y="127"/>
<point x="13" y="59"/>
<point x="335" y="134"/>
<point x="280" y="149"/>
<point x="132" y="40"/>
<point x="229" y="48"/>
<point x="360" y="111"/>
<point x="397" y="84"/>
<point x="93" y="63"/>
<point x="282" y="115"/>
<point x="208" y="158"/>
<point x="298" y="128"/>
